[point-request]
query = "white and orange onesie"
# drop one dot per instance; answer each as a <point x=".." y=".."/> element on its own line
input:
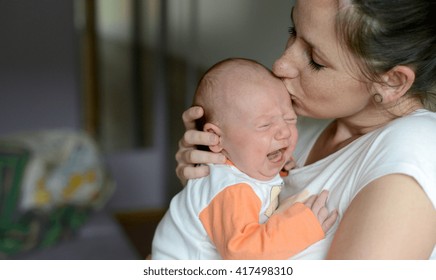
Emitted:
<point x="229" y="215"/>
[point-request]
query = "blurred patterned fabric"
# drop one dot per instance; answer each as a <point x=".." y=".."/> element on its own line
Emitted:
<point x="50" y="182"/>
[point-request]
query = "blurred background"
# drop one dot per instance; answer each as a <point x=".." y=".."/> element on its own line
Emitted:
<point x="123" y="72"/>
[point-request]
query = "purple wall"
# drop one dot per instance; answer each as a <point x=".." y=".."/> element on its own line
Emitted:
<point x="39" y="89"/>
<point x="38" y="68"/>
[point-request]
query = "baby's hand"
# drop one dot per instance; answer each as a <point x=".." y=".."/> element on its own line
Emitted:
<point x="290" y="164"/>
<point x="317" y="203"/>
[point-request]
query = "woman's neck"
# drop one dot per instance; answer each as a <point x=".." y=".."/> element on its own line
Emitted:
<point x="343" y="131"/>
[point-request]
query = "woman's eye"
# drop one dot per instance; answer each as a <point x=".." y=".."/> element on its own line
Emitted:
<point x="315" y="66"/>
<point x="292" y="32"/>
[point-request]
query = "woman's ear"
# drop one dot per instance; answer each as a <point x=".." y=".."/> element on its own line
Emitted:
<point x="396" y="83"/>
<point x="212" y="128"/>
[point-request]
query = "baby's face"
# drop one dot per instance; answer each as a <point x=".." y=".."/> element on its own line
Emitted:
<point x="260" y="133"/>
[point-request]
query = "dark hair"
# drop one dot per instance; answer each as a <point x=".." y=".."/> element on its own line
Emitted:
<point x="387" y="33"/>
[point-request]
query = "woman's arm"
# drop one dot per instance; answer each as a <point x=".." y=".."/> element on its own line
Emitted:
<point x="188" y="156"/>
<point x="391" y="218"/>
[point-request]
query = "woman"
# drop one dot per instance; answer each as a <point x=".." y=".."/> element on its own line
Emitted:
<point x="367" y="68"/>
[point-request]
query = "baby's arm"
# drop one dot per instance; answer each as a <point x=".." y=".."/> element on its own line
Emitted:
<point x="232" y="222"/>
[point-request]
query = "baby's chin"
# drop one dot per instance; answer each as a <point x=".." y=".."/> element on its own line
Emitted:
<point x="265" y="174"/>
<point x="267" y="169"/>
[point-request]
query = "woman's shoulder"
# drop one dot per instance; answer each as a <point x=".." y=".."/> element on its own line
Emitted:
<point x="419" y="116"/>
<point x="418" y="126"/>
<point x="406" y="145"/>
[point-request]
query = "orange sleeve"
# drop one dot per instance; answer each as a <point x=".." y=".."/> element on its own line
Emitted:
<point x="232" y="222"/>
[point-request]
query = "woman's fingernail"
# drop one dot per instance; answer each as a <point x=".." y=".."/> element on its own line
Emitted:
<point x="214" y="139"/>
<point x="198" y="110"/>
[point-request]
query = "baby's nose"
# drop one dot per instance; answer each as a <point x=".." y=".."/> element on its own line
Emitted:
<point x="283" y="131"/>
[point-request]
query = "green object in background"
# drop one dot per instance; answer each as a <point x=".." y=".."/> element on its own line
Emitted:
<point x="20" y="231"/>
<point x="50" y="183"/>
<point x="12" y="165"/>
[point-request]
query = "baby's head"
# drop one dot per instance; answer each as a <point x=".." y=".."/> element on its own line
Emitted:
<point x="251" y="112"/>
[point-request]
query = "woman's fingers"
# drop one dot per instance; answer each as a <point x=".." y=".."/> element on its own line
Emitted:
<point x="190" y="164"/>
<point x="188" y="157"/>
<point x="190" y="115"/>
<point x="186" y="172"/>
<point x="194" y="157"/>
<point x="193" y="138"/>
<point x="189" y="161"/>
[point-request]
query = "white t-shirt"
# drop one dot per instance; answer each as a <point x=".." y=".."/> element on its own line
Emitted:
<point x="407" y="145"/>
<point x="201" y="215"/>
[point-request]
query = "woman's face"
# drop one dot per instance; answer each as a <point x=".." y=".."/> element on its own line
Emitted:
<point x="316" y="71"/>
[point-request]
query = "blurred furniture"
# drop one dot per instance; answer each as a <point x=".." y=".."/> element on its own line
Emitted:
<point x="54" y="192"/>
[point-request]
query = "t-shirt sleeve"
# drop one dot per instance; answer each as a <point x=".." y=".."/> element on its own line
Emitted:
<point x="405" y="148"/>
<point x="231" y="220"/>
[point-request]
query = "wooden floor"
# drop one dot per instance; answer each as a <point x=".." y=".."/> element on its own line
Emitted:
<point x="139" y="227"/>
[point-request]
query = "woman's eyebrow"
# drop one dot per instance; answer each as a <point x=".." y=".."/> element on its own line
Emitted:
<point x="311" y="45"/>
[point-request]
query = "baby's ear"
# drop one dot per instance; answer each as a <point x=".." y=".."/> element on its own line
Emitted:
<point x="212" y="128"/>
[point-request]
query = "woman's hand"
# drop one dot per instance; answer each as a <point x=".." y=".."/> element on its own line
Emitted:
<point x="188" y="157"/>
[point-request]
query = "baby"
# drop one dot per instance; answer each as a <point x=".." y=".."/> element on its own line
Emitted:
<point x="231" y="213"/>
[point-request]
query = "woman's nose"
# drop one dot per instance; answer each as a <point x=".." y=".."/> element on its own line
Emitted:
<point x="285" y="65"/>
